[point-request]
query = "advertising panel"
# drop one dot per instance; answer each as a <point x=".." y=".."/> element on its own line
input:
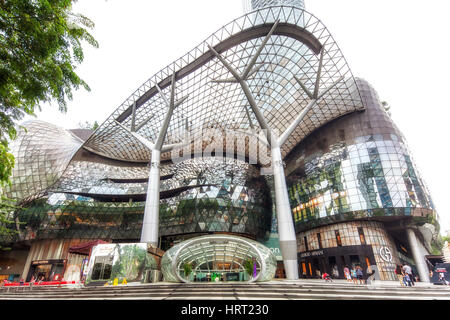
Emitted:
<point x="119" y="263"/>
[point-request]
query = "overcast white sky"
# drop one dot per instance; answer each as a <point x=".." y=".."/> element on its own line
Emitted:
<point x="401" y="47"/>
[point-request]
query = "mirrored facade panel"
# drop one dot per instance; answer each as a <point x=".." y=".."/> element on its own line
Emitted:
<point x="42" y="152"/>
<point x="341" y="173"/>
<point x="209" y="195"/>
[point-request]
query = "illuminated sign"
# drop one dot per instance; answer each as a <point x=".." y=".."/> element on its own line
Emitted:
<point x="37" y="262"/>
<point x="311" y="254"/>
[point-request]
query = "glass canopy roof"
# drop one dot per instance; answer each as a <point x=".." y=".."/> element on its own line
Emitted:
<point x="299" y="49"/>
<point x="220" y="254"/>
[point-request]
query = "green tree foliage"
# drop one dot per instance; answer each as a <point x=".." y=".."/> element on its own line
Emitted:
<point x="6" y="231"/>
<point x="40" y="46"/>
<point x="187" y="267"/>
<point x="131" y="263"/>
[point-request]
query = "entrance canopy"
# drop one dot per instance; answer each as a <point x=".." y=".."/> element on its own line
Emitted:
<point x="223" y="256"/>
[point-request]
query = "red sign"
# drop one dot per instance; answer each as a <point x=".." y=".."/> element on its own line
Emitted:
<point x="45" y="283"/>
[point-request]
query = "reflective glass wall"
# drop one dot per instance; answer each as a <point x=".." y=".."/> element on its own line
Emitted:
<point x="197" y="196"/>
<point x="354" y="167"/>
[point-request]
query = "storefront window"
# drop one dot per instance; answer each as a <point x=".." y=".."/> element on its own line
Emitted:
<point x="319" y="240"/>
<point x="354" y="260"/>
<point x="102" y="268"/>
<point x="361" y="235"/>
<point x="46" y="270"/>
<point x="338" y="238"/>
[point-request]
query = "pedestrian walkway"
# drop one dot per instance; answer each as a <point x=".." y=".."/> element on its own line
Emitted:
<point x="272" y="290"/>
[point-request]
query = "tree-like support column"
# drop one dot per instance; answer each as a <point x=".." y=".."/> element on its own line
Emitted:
<point x="286" y="230"/>
<point x="419" y="259"/>
<point x="150" y="223"/>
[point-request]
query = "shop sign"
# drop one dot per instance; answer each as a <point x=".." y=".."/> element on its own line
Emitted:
<point x="37" y="262"/>
<point x="386" y="254"/>
<point x="311" y="254"/>
<point x="273" y="244"/>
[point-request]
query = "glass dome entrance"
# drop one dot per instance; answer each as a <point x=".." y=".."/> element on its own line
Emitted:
<point x="215" y="258"/>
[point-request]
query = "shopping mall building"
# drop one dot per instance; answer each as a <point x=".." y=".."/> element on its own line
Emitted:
<point x="259" y="144"/>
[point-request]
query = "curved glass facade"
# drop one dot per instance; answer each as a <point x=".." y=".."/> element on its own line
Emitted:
<point x="300" y="45"/>
<point x="222" y="195"/>
<point x="42" y="153"/>
<point x="201" y="196"/>
<point x="355" y="167"/>
<point x="218" y="258"/>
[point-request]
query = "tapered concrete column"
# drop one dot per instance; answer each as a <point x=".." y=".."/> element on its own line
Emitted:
<point x="150" y="224"/>
<point x="286" y="231"/>
<point x="419" y="259"/>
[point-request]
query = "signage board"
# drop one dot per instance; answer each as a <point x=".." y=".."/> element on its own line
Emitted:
<point x="315" y="253"/>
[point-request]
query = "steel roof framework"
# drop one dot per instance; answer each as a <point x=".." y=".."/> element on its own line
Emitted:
<point x="283" y="82"/>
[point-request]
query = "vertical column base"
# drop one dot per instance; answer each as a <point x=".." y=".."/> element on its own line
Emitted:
<point x="289" y="253"/>
<point x="418" y="258"/>
<point x="291" y="269"/>
<point x="150" y="223"/>
<point x="146" y="236"/>
<point x="286" y="230"/>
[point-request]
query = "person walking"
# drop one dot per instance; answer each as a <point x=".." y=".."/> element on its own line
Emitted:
<point x="327" y="277"/>
<point x="354" y="276"/>
<point x="407" y="279"/>
<point x="442" y="279"/>
<point x="399" y="273"/>
<point x="347" y="274"/>
<point x="32" y="281"/>
<point x="408" y="270"/>
<point x="359" y="274"/>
